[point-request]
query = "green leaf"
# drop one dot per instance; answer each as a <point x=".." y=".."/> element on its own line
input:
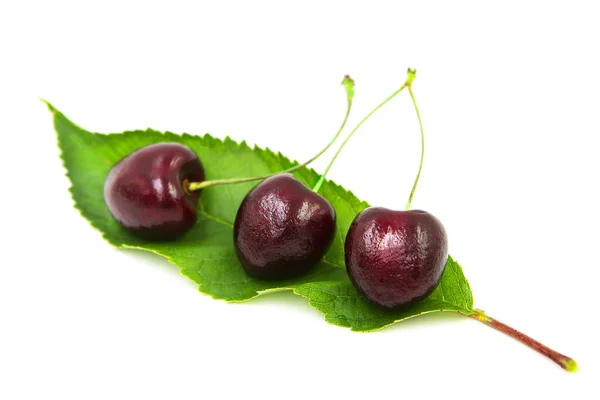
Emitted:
<point x="206" y="255"/>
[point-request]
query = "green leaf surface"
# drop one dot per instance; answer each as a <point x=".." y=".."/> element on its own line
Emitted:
<point x="206" y="254"/>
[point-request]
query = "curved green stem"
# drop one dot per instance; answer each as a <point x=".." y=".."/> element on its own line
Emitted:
<point x="349" y="86"/>
<point x="406" y="84"/>
<point x="414" y="188"/>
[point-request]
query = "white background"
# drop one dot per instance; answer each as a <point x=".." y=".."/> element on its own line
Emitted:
<point x="509" y="94"/>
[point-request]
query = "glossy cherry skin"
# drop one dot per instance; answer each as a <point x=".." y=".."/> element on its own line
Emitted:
<point x="395" y="258"/>
<point x="282" y="228"/>
<point x="144" y="191"/>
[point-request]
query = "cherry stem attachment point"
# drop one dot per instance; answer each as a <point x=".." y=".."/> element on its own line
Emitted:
<point x="348" y="85"/>
<point x="414" y="101"/>
<point x="407" y="83"/>
<point x="563" y="361"/>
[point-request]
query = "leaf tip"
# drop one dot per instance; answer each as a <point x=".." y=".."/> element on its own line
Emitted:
<point x="48" y="104"/>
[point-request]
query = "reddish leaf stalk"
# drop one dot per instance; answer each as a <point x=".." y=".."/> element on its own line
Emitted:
<point x="563" y="361"/>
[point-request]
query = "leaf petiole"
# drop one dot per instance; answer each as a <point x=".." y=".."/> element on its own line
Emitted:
<point x="563" y="361"/>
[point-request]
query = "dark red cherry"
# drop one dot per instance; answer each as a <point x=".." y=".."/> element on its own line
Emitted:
<point x="144" y="191"/>
<point x="395" y="258"/>
<point x="282" y="228"/>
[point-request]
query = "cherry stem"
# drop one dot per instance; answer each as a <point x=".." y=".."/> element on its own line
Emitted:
<point x="563" y="361"/>
<point x="349" y="86"/>
<point x="414" y="101"/>
<point x="409" y="79"/>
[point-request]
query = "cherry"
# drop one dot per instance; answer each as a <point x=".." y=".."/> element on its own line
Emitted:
<point x="282" y="228"/>
<point x="145" y="191"/>
<point x="395" y="258"/>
